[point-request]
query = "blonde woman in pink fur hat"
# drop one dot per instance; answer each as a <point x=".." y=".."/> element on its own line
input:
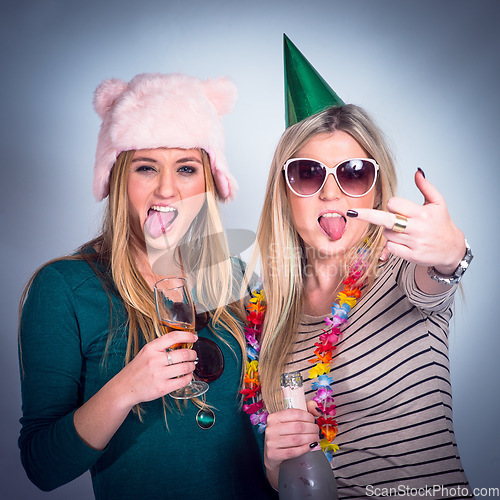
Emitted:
<point x="95" y="370"/>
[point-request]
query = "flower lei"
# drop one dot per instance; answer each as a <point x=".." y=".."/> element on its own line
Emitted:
<point x="345" y="301"/>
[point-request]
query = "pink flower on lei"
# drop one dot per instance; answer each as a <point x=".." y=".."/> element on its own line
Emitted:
<point x="254" y="407"/>
<point x="259" y="419"/>
<point x="253" y="341"/>
<point x="322" y="394"/>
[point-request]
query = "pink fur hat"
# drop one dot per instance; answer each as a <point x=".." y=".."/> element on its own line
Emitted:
<point x="155" y="110"/>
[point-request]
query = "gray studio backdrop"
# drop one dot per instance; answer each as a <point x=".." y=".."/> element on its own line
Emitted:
<point x="428" y="71"/>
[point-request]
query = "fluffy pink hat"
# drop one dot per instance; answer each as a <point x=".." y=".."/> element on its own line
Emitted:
<point x="155" y="110"/>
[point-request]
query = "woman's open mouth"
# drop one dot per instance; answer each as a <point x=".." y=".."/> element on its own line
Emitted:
<point x="160" y="219"/>
<point x="333" y="224"/>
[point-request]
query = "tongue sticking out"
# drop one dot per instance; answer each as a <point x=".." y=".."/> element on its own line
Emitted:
<point x="333" y="225"/>
<point x="157" y="223"/>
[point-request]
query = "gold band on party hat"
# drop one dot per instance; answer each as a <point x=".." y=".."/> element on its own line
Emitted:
<point x="400" y="223"/>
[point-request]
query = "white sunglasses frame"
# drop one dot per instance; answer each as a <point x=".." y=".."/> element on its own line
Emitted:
<point x="331" y="170"/>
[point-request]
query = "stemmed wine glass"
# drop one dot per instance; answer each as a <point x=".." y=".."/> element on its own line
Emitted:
<point x="175" y="310"/>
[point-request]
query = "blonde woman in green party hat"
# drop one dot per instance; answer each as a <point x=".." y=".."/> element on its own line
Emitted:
<point x="358" y="289"/>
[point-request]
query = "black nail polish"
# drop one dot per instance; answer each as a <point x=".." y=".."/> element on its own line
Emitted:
<point x="313" y="445"/>
<point x="319" y="410"/>
<point x="351" y="213"/>
<point x="421" y="171"/>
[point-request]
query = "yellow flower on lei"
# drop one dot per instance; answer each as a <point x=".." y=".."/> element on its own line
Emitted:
<point x="258" y="297"/>
<point x="252" y="367"/>
<point x="344" y="299"/>
<point x="327" y="446"/>
<point x="319" y="369"/>
<point x="252" y="374"/>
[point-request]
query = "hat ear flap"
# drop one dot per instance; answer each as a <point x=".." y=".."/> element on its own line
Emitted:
<point x="222" y="93"/>
<point x="106" y="94"/>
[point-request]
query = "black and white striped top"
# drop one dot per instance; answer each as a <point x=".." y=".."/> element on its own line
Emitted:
<point x="392" y="391"/>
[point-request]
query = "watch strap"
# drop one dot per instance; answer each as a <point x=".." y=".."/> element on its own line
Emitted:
<point x="459" y="271"/>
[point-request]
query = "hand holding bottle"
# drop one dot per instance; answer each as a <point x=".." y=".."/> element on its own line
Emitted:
<point x="289" y="434"/>
<point x="293" y="458"/>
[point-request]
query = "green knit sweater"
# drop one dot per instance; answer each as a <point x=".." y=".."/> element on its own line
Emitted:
<point x="65" y="325"/>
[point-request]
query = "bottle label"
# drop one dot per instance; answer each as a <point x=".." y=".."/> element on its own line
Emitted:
<point x="293" y="397"/>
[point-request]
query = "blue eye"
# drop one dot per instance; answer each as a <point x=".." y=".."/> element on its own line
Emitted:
<point x="187" y="169"/>
<point x="145" y="168"/>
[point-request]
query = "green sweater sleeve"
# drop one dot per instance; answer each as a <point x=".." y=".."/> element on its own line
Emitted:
<point x="52" y="368"/>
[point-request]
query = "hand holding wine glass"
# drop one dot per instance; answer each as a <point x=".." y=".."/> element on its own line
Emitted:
<point x="175" y="310"/>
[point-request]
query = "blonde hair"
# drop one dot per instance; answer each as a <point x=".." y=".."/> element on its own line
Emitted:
<point x="282" y="251"/>
<point x="209" y="261"/>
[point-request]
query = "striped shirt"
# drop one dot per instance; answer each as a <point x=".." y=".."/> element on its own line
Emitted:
<point x="392" y="391"/>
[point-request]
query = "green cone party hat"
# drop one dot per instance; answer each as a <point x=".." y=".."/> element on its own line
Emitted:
<point x="306" y="92"/>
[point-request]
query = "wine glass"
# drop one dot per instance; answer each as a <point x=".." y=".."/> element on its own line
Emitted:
<point x="175" y="310"/>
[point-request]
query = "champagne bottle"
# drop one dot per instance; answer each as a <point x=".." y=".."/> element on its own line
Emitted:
<point x="310" y="475"/>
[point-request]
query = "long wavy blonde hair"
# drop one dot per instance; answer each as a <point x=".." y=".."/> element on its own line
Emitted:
<point x="281" y="249"/>
<point x="208" y="260"/>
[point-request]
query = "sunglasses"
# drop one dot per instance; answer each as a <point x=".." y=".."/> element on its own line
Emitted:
<point x="210" y="358"/>
<point x="355" y="177"/>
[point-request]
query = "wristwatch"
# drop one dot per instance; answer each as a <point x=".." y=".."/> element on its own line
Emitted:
<point x="459" y="271"/>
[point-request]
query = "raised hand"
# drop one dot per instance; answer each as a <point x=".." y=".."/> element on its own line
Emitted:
<point x="424" y="234"/>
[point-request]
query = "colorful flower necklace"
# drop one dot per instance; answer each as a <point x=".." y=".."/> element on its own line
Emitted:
<point x="345" y="301"/>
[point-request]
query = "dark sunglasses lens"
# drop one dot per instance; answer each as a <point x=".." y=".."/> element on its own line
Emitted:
<point x="202" y="317"/>
<point x="201" y="321"/>
<point x="210" y="360"/>
<point x="356" y="176"/>
<point x="305" y="176"/>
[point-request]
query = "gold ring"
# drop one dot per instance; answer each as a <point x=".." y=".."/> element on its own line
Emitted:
<point x="169" y="358"/>
<point x="400" y="224"/>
